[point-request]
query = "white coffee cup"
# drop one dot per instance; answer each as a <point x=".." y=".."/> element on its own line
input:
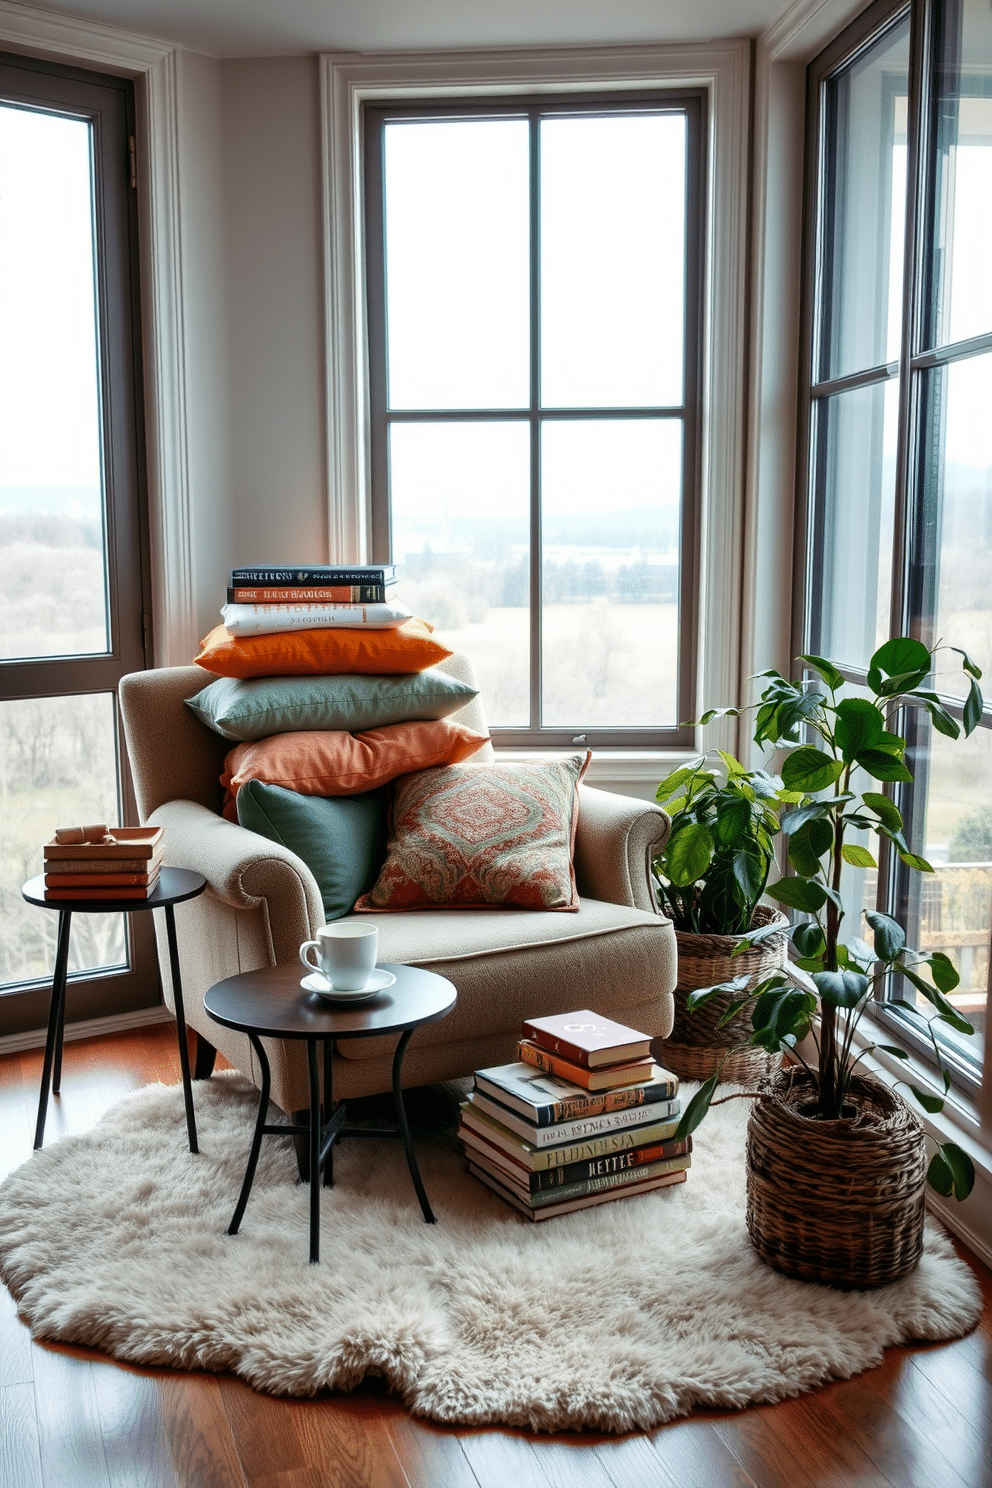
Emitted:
<point x="345" y="953"/>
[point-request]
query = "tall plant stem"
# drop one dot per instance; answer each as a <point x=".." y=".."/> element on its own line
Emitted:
<point x="827" y="1105"/>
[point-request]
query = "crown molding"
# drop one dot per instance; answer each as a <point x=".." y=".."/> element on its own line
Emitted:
<point x="805" y="27"/>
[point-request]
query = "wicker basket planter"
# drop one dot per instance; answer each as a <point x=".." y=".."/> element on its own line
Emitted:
<point x="838" y="1202"/>
<point x="697" y="1046"/>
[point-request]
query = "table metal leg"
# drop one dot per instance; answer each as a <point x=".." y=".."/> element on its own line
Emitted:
<point x="256" y="1141"/>
<point x="51" y="1073"/>
<point x="315" y="1175"/>
<point x="177" y="991"/>
<point x="328" y="1109"/>
<point x="411" y="1159"/>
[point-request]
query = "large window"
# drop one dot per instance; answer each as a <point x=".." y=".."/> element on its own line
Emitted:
<point x="534" y="324"/>
<point x="72" y="540"/>
<point x="899" y="349"/>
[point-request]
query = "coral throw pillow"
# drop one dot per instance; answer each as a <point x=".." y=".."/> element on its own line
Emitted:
<point x="331" y="762"/>
<point x="302" y="653"/>
<point x="482" y="835"/>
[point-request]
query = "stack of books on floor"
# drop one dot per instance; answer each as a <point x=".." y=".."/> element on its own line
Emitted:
<point x="103" y="863"/>
<point x="583" y="1117"/>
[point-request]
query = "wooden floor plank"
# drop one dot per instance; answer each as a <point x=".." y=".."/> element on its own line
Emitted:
<point x="196" y="1427"/>
<point x="70" y="1438"/>
<point x="429" y="1453"/>
<point x="345" y="1438"/>
<point x="923" y="1419"/>
<point x="20" y="1458"/>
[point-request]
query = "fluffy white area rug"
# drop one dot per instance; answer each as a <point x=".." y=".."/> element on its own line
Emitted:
<point x="616" y="1318"/>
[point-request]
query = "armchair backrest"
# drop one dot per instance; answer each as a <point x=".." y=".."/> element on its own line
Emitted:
<point x="174" y="756"/>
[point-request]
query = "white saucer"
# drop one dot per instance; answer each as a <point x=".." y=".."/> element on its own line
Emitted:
<point x="377" y="982"/>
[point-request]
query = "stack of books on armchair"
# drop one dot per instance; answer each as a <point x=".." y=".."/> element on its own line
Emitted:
<point x="583" y="1117"/>
<point x="103" y="863"/>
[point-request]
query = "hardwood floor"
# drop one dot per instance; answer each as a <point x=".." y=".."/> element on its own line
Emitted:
<point x="73" y="1418"/>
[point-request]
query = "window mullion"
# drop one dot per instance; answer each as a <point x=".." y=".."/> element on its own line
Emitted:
<point x="536" y="641"/>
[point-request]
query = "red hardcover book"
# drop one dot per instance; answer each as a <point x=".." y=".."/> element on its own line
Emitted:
<point x="588" y="1039"/>
<point x="631" y="1072"/>
<point x="113" y="891"/>
<point x="59" y="881"/>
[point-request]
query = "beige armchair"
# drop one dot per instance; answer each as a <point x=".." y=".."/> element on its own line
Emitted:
<point x="615" y="955"/>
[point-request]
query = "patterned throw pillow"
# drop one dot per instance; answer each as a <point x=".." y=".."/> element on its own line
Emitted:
<point x="482" y="835"/>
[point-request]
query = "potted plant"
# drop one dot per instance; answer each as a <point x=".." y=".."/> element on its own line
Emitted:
<point x="709" y="880"/>
<point x="837" y="1162"/>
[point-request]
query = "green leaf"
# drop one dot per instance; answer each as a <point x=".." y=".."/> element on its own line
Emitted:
<point x="780" y="1014"/>
<point x="943" y="971"/>
<point x="671" y="783"/>
<point x="825" y="669"/>
<point x="734" y="766"/>
<point x="798" y="893"/>
<point x="808" y="939"/>
<point x="913" y="860"/>
<point x="929" y="1102"/>
<point x="961" y="1167"/>
<point x="860" y="951"/>
<point x="892" y="1049"/>
<point x="973" y="708"/>
<point x="808" y="845"/>
<point x="890" y="937"/>
<point x="709" y="716"/>
<point x="858" y="857"/>
<point x="688" y="854"/>
<point x="966" y="662"/>
<point x="701" y="995"/>
<point x="859" y="726"/>
<point x="732" y="822"/>
<point x="942" y="720"/>
<point x="697" y="1108"/>
<point x="793" y="820"/>
<point x="843" y="989"/>
<point x="883" y="766"/>
<point x="810" y="769"/>
<point x="939" y="1175"/>
<point x="945" y="1010"/>
<point x="888" y="814"/>
<point x="902" y="660"/>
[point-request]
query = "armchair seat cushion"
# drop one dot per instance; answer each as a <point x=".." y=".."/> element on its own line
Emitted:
<point x="506" y="962"/>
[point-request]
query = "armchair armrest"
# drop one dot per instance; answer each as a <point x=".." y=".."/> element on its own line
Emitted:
<point x="245" y="870"/>
<point x="616" y="840"/>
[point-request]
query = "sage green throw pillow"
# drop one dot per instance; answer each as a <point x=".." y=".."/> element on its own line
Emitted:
<point x="342" y="839"/>
<point x="257" y="707"/>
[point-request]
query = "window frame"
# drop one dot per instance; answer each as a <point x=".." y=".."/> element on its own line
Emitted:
<point x="691" y="104"/>
<point x="722" y="70"/>
<point x="918" y="356"/>
<point x="108" y="103"/>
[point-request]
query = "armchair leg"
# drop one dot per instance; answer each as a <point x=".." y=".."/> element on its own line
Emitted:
<point x="206" y="1054"/>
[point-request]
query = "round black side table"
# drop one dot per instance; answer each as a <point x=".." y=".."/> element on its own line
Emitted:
<point x="173" y="887"/>
<point x="270" y="1003"/>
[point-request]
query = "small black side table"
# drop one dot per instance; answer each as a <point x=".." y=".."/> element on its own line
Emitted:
<point x="270" y="1003"/>
<point x="174" y="885"/>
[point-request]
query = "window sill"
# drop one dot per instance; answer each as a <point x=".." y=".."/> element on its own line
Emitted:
<point x="629" y="772"/>
<point x="961" y="1122"/>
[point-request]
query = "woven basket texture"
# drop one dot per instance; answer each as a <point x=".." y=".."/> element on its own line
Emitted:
<point x="738" y="1066"/>
<point x="696" y="1045"/>
<point x="837" y="1202"/>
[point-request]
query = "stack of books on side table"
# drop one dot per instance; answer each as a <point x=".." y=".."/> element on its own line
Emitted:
<point x="103" y="863"/>
<point x="583" y="1117"/>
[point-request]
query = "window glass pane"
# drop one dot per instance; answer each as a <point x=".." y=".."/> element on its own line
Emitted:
<point x="609" y="567"/>
<point x="865" y="155"/>
<point x="957" y="495"/>
<point x="962" y="227"/>
<point x="613" y="213"/>
<point x="461" y="539"/>
<point x="457" y="274"/>
<point x="950" y="909"/>
<point x="852" y="570"/>
<point x="53" y="571"/>
<point x="58" y="767"/>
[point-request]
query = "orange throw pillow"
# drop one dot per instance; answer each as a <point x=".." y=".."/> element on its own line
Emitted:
<point x="331" y="762"/>
<point x="301" y="653"/>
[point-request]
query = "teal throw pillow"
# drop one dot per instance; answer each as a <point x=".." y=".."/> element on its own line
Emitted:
<point x="257" y="707"/>
<point x="342" y="839"/>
